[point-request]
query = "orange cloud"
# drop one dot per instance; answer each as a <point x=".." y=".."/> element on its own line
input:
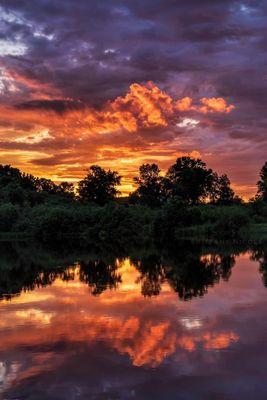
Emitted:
<point x="147" y="106"/>
<point x="122" y="134"/>
<point x="214" y="104"/>
<point x="185" y="104"/>
<point x="144" y="106"/>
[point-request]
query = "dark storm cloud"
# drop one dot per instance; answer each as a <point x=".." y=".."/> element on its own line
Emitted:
<point x="95" y="50"/>
<point x="58" y="106"/>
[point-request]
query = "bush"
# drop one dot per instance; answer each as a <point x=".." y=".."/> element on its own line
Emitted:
<point x="8" y="216"/>
<point x="119" y="225"/>
<point x="111" y="224"/>
<point x="47" y="223"/>
<point x="258" y="210"/>
<point x="173" y="216"/>
<point x="230" y="221"/>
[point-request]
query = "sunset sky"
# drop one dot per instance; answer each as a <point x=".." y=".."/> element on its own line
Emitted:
<point x="119" y="83"/>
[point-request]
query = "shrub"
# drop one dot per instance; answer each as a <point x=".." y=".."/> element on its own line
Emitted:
<point x="230" y="221"/>
<point x="8" y="216"/>
<point x="174" y="215"/>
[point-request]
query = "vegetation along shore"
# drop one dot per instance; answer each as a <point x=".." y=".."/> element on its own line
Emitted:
<point x="189" y="201"/>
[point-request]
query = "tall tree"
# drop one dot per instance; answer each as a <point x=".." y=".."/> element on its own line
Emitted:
<point x="150" y="185"/>
<point x="12" y="175"/>
<point x="15" y="186"/>
<point x="99" y="186"/>
<point x="262" y="183"/>
<point x="189" y="179"/>
<point x="222" y="193"/>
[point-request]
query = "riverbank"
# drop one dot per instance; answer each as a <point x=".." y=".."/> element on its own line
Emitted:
<point x="130" y="225"/>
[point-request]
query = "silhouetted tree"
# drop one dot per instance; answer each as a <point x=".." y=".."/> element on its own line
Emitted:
<point x="150" y="189"/>
<point x="9" y="175"/>
<point x="262" y="183"/>
<point x="15" y="186"/>
<point x="222" y="192"/>
<point x="46" y="185"/>
<point x="189" y="179"/>
<point x="21" y="189"/>
<point x="99" y="186"/>
<point x="66" y="189"/>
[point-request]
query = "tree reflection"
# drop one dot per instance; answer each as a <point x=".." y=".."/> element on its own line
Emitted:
<point x="99" y="276"/>
<point x="193" y="275"/>
<point x="152" y="274"/>
<point x="18" y="280"/>
<point x="260" y="255"/>
<point x="189" y="270"/>
<point x="24" y="268"/>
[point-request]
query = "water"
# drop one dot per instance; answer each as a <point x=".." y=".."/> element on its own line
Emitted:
<point x="189" y="326"/>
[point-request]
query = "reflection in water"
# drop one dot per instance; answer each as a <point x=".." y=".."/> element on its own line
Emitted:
<point x="89" y="327"/>
<point x="188" y="272"/>
<point x="99" y="275"/>
<point x="260" y="255"/>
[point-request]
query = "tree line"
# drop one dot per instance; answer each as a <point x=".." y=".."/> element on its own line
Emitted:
<point x="188" y="179"/>
<point x="189" y="201"/>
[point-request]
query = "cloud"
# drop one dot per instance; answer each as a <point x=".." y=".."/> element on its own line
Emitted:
<point x="187" y="123"/>
<point x="142" y="107"/>
<point x="141" y="126"/>
<point x="69" y="75"/>
<point x="215" y="105"/>
<point x="38" y="137"/>
<point x="57" y="105"/>
<point x="10" y="48"/>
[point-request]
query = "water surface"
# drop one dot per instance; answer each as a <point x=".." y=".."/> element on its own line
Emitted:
<point x="190" y="328"/>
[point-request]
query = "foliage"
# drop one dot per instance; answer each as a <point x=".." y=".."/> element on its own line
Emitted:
<point x="262" y="183"/>
<point x="230" y="222"/>
<point x="23" y="189"/>
<point x="8" y="217"/>
<point x="222" y="193"/>
<point x="162" y="209"/>
<point x="189" y="179"/>
<point x="150" y="190"/>
<point x="173" y="215"/>
<point x="99" y="186"/>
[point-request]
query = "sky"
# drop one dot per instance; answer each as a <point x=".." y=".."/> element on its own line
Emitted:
<point x="121" y="83"/>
